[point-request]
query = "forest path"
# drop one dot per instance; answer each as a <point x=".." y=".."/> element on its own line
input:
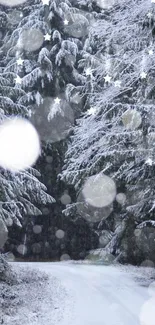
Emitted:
<point x="97" y="295"/>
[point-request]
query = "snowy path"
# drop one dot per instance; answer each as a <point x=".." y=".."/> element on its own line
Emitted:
<point x="97" y="295"/>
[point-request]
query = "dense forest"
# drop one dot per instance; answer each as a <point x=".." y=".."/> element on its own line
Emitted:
<point x="82" y="73"/>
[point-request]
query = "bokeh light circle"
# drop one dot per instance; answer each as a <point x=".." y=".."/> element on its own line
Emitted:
<point x="12" y="3"/>
<point x="99" y="190"/>
<point x="65" y="257"/>
<point x="147" y="314"/>
<point x="65" y="199"/>
<point x="31" y="39"/>
<point x="137" y="232"/>
<point x="105" y="4"/>
<point x="37" y="229"/>
<point x="121" y="198"/>
<point x="92" y="214"/>
<point x="22" y="249"/>
<point x="147" y="263"/>
<point x="36" y="248"/>
<point x="60" y="234"/>
<point x="19" y="144"/>
<point x="10" y="257"/>
<point x="104" y="238"/>
<point x="131" y="119"/>
<point x="53" y="120"/>
<point x="78" y="25"/>
<point x="14" y="17"/>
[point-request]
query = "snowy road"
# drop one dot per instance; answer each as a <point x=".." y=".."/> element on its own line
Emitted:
<point x="97" y="295"/>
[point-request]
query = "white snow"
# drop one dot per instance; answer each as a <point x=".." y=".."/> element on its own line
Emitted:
<point x="97" y="295"/>
<point x="34" y="299"/>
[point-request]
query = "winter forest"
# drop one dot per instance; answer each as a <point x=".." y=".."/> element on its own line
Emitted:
<point x="81" y="72"/>
<point x="77" y="133"/>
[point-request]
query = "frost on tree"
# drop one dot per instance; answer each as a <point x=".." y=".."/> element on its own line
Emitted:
<point x="53" y="119"/>
<point x="40" y="81"/>
<point x="20" y="191"/>
<point x="115" y="135"/>
<point x="41" y="55"/>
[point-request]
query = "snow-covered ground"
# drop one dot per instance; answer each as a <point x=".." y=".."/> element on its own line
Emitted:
<point x="80" y="294"/>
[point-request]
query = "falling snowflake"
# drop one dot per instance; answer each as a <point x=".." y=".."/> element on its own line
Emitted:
<point x="16" y="153"/>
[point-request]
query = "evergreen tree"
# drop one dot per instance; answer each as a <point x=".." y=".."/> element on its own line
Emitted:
<point x="41" y="55"/>
<point x="19" y="192"/>
<point x="116" y="133"/>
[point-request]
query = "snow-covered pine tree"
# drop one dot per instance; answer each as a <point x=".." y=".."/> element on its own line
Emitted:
<point x="41" y="55"/>
<point x="116" y="134"/>
<point x="21" y="191"/>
